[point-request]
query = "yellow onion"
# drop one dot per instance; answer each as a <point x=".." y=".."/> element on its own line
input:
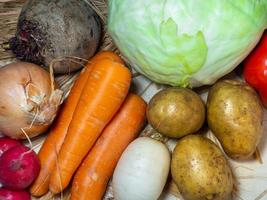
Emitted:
<point x="28" y="100"/>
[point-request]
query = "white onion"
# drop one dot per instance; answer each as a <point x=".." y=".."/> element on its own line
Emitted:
<point x="28" y="101"/>
<point x="142" y="170"/>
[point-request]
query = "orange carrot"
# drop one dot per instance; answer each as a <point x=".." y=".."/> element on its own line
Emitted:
<point x="49" y="150"/>
<point x="92" y="177"/>
<point x="106" y="55"/>
<point x="104" y="92"/>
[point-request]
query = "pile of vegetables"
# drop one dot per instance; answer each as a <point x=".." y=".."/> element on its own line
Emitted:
<point x="93" y="136"/>
<point x="234" y="115"/>
<point x="98" y="120"/>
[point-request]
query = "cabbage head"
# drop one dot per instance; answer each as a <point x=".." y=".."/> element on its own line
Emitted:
<point x="186" y="42"/>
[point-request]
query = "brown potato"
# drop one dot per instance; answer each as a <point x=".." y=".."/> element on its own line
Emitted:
<point x="200" y="170"/>
<point x="235" y="116"/>
<point x="176" y="112"/>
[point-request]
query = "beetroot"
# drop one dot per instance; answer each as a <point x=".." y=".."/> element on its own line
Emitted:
<point x="6" y="143"/>
<point x="19" y="166"/>
<point x="49" y="29"/>
<point x="13" y="195"/>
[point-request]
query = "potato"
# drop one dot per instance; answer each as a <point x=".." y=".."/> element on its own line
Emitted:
<point x="235" y="116"/>
<point x="200" y="170"/>
<point x="176" y="112"/>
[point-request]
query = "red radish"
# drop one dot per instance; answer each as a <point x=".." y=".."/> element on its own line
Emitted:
<point x="7" y="143"/>
<point x="19" y="166"/>
<point x="13" y="195"/>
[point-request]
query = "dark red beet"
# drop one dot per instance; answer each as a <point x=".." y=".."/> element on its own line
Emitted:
<point x="6" y="194"/>
<point x="6" y="143"/>
<point x="49" y="29"/>
<point x="19" y="166"/>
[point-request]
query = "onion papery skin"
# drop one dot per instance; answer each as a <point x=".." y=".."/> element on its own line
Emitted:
<point x="28" y="102"/>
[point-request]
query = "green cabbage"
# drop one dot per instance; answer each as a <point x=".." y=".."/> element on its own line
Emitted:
<point x="186" y="42"/>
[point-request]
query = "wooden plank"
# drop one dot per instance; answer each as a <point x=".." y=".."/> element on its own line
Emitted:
<point x="9" y="12"/>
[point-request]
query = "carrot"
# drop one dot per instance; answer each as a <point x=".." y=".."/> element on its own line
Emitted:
<point x="49" y="150"/>
<point x="92" y="177"/>
<point x="104" y="92"/>
<point x="106" y="55"/>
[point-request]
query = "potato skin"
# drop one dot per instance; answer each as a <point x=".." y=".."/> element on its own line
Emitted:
<point x="176" y="112"/>
<point x="235" y="116"/>
<point x="200" y="170"/>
